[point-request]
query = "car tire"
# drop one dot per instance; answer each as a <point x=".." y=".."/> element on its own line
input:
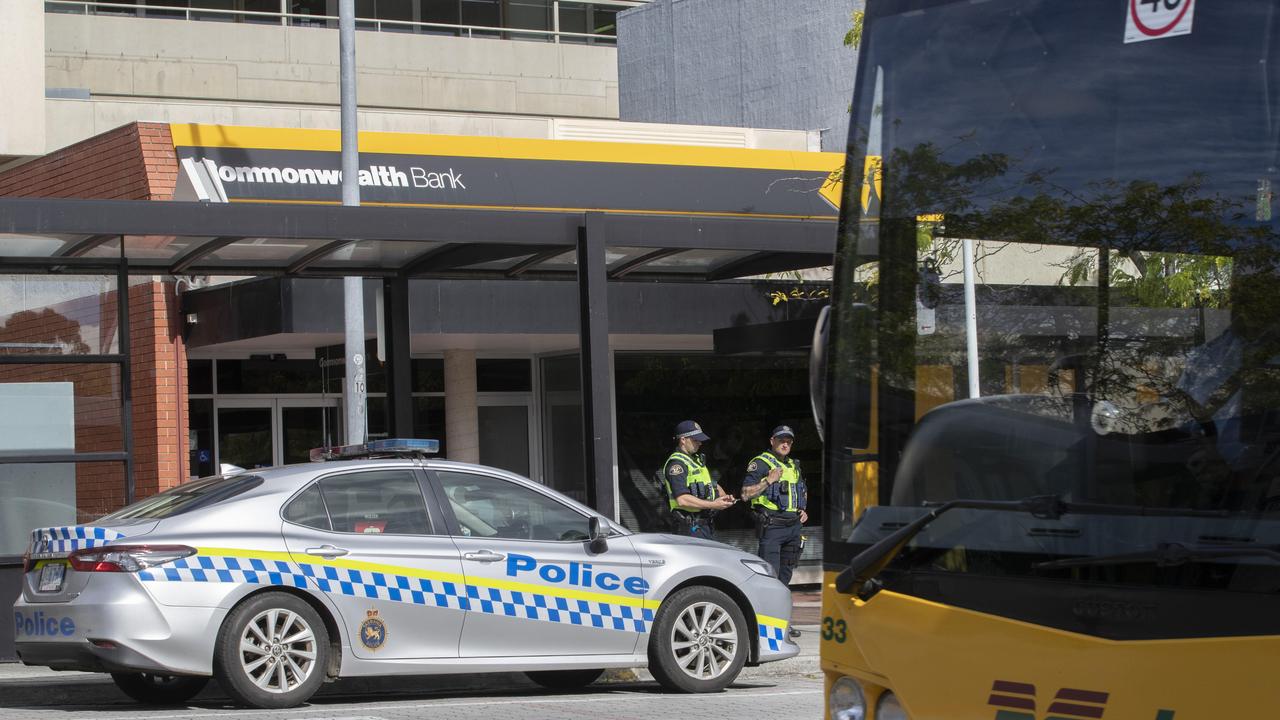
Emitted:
<point x="699" y="641"/>
<point x="272" y="651"/>
<point x="154" y="689"/>
<point x="564" y="679"/>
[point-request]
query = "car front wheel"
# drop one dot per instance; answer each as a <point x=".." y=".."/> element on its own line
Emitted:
<point x="159" y="689"/>
<point x="272" y="651"/>
<point x="699" y="641"/>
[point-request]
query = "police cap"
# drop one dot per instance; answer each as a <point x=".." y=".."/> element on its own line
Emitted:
<point x="783" y="431"/>
<point x="691" y="429"/>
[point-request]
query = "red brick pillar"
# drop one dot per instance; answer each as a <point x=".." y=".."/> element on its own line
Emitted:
<point x="159" y="388"/>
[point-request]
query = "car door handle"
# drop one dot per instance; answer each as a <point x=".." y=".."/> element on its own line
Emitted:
<point x="484" y="556"/>
<point x="327" y="551"/>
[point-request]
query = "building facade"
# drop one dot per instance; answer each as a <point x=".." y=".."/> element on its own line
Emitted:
<point x="243" y="370"/>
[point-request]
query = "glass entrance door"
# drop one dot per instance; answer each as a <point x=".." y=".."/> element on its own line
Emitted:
<point x="265" y="432"/>
<point x="506" y="439"/>
<point x="245" y="436"/>
<point x="304" y="426"/>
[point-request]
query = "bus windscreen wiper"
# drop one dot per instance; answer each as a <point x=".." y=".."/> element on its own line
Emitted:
<point x="868" y="563"/>
<point x="1168" y="554"/>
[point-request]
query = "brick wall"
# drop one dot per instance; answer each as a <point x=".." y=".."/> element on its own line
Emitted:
<point x="133" y="162"/>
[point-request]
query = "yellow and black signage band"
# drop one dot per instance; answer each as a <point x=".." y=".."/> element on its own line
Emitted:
<point x="516" y="174"/>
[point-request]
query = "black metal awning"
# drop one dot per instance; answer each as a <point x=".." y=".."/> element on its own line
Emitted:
<point x="174" y="238"/>
<point x="396" y="244"/>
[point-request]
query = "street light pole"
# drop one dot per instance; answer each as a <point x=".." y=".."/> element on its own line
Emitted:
<point x="352" y="287"/>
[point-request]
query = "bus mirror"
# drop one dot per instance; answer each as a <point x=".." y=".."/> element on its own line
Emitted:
<point x="818" y="371"/>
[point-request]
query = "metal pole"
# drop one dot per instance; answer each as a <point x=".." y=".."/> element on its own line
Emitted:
<point x="126" y="374"/>
<point x="352" y="287"/>
<point x="971" y="320"/>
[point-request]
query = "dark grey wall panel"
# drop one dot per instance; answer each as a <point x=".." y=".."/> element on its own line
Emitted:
<point x="741" y="63"/>
<point x="314" y="305"/>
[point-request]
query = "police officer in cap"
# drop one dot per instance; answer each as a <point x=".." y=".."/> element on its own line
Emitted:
<point x="692" y="496"/>
<point x="778" y="497"/>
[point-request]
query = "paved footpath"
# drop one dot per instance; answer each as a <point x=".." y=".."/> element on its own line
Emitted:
<point x="789" y="689"/>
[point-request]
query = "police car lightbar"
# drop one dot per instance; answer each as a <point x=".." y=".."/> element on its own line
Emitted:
<point x="390" y="447"/>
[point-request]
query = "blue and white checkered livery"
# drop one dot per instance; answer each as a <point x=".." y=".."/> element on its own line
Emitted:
<point x="70" y="538"/>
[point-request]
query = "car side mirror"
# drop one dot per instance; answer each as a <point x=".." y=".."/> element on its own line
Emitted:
<point x="598" y="533"/>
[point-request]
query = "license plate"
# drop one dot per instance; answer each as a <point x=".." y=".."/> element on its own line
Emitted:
<point x="51" y="577"/>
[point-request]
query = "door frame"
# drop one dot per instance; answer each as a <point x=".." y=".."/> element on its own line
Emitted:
<point x="527" y="400"/>
<point x="274" y="404"/>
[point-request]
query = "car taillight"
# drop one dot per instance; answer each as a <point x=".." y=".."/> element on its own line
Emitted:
<point x="27" y="564"/>
<point x="126" y="558"/>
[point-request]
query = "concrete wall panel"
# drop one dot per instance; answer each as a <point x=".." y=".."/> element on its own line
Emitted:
<point x="22" y="81"/>
<point x="743" y="63"/>
<point x="158" y="64"/>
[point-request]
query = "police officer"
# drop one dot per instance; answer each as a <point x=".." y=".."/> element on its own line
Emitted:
<point x="692" y="496"/>
<point x="778" y="497"/>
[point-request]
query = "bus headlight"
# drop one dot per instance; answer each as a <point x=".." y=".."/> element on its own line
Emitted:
<point x="846" y="701"/>
<point x="888" y="708"/>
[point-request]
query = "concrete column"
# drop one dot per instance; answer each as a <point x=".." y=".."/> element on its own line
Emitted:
<point x="461" y="417"/>
<point x="22" y="131"/>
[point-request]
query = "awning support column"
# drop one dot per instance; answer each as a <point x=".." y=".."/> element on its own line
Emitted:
<point x="395" y="301"/>
<point x="597" y="392"/>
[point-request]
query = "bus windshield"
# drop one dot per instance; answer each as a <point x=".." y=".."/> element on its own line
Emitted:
<point x="1057" y="275"/>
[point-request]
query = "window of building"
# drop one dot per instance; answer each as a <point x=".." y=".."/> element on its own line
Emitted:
<point x="586" y="19"/>
<point x="428" y="375"/>
<point x="445" y="12"/>
<point x="501" y="375"/>
<point x="528" y="15"/>
<point x="200" y="437"/>
<point x="488" y="18"/>
<point x="60" y="393"/>
<point x="268" y="376"/>
<point x="482" y="13"/>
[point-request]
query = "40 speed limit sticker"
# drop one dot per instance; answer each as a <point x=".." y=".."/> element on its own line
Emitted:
<point x="1157" y="19"/>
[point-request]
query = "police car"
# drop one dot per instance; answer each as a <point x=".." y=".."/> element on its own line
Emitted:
<point x="380" y="561"/>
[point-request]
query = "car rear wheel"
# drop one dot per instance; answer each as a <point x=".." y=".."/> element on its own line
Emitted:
<point x="159" y="689"/>
<point x="564" y="679"/>
<point x="699" y="641"/>
<point x="272" y="651"/>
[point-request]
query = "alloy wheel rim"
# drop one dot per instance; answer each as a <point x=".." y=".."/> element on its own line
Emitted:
<point x="278" y="650"/>
<point x="704" y="641"/>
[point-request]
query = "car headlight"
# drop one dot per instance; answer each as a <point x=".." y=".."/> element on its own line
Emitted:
<point x="759" y="566"/>
<point x="846" y="701"/>
<point x="888" y="708"/>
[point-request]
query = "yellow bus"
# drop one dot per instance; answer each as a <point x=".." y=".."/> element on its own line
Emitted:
<point x="1049" y="380"/>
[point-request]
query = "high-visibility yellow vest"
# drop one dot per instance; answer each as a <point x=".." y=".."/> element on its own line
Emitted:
<point x="785" y="492"/>
<point x="697" y="478"/>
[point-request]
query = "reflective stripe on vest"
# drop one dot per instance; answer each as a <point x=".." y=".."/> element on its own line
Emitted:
<point x="697" y="479"/>
<point x="787" y="483"/>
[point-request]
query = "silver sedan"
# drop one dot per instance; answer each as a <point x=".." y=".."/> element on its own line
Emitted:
<point x="275" y="581"/>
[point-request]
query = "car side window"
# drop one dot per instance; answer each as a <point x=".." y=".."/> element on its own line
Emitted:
<point x="487" y="506"/>
<point x="376" y="501"/>
<point x="308" y="509"/>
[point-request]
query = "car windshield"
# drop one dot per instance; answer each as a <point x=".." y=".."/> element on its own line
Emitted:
<point x="184" y="498"/>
